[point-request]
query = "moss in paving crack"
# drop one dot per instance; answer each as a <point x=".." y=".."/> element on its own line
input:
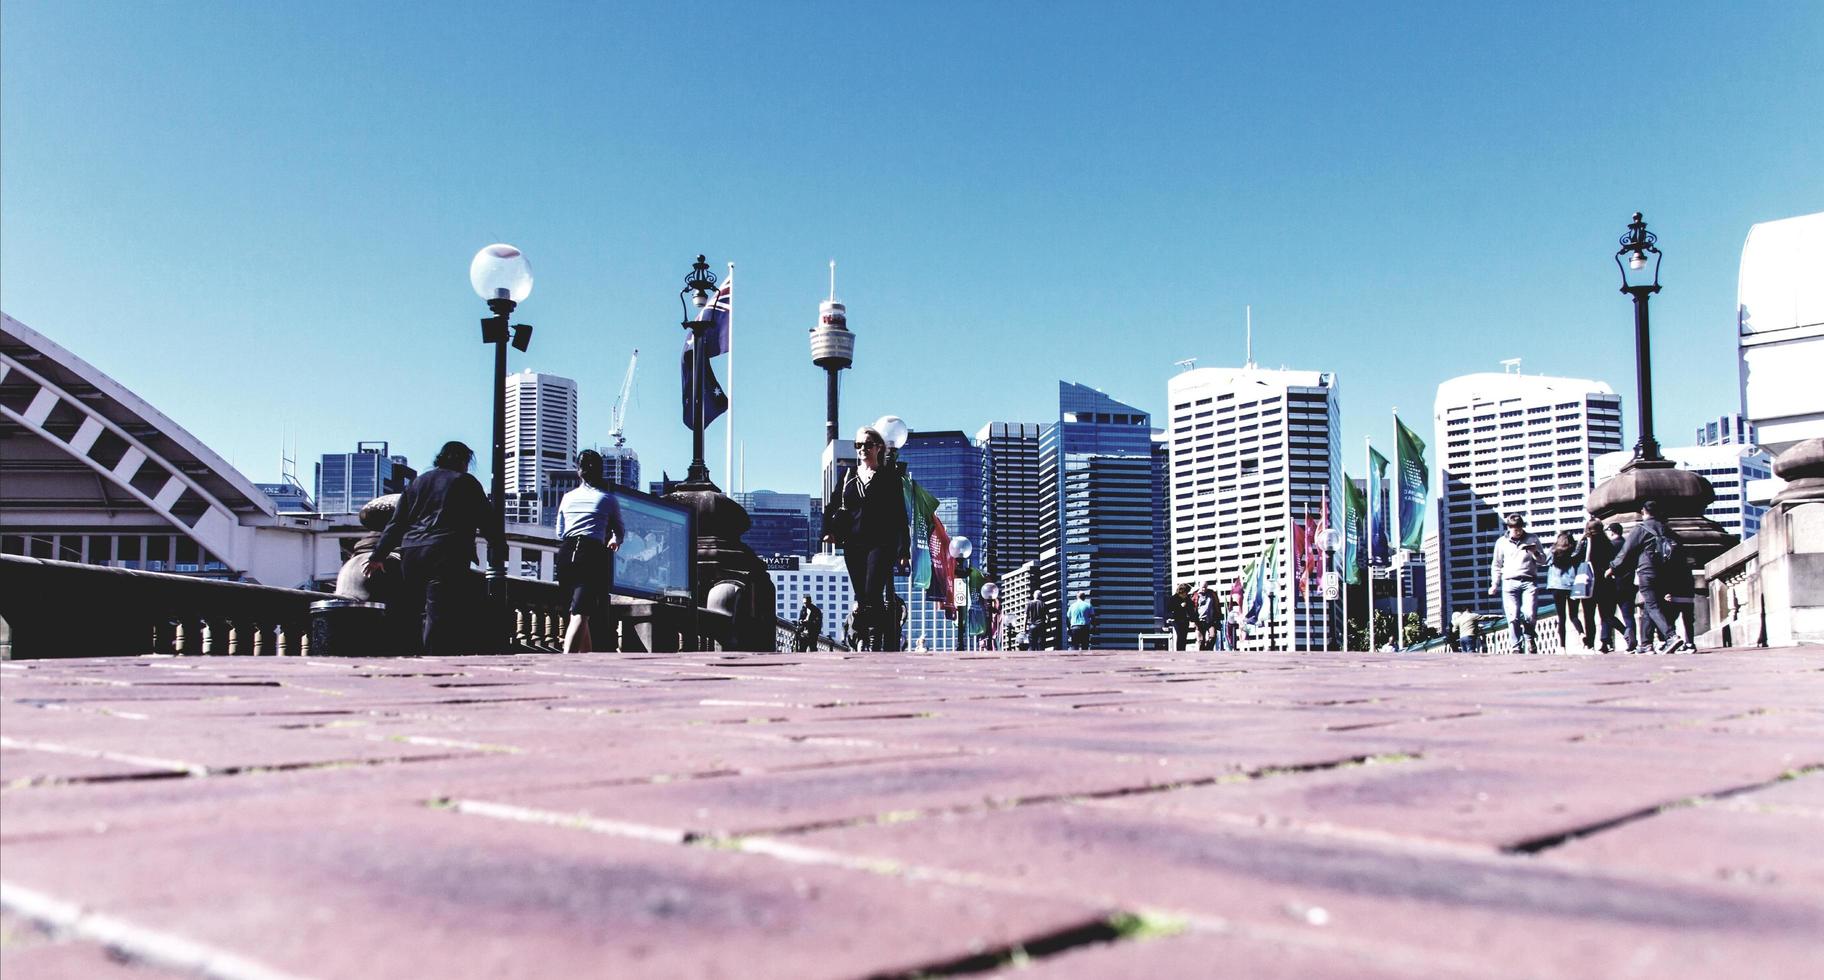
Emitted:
<point x="440" y="803"/>
<point x="1144" y="925"/>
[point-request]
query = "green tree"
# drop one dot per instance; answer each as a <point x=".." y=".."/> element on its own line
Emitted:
<point x="1418" y="631"/>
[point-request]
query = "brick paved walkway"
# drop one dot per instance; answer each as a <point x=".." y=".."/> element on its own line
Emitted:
<point x="1055" y="815"/>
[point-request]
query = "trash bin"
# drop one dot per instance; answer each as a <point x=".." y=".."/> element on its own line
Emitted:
<point x="347" y="628"/>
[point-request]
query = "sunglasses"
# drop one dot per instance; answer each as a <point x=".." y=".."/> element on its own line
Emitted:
<point x="865" y="445"/>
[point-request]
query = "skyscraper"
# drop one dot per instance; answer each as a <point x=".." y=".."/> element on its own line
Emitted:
<point x="1098" y="490"/>
<point x="347" y="481"/>
<point x="781" y="523"/>
<point x="1010" y="495"/>
<point x="541" y="436"/>
<point x="949" y="467"/>
<point x="1729" y="466"/>
<point x="1510" y="444"/>
<point x="1252" y="451"/>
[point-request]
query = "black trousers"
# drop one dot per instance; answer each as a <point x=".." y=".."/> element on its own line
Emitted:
<point x="871" y="576"/>
<point x="442" y="597"/>
<point x="1624" y="608"/>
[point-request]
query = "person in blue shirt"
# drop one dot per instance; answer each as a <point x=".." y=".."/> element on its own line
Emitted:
<point x="589" y="532"/>
<point x="1080" y="616"/>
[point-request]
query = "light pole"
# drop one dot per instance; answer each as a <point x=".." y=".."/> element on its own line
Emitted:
<point x="501" y="275"/>
<point x="1326" y="539"/>
<point x="1632" y="259"/>
<point x="698" y="286"/>
<point x="960" y="550"/>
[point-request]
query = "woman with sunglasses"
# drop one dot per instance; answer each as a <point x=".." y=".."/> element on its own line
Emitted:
<point x="871" y="527"/>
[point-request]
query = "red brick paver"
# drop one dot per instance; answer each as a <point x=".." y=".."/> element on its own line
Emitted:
<point x="822" y="815"/>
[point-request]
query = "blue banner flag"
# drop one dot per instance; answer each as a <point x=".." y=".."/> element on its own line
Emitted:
<point x="1379" y="535"/>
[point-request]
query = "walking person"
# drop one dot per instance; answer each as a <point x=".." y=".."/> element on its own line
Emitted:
<point x="1081" y="617"/>
<point x="1208" y="607"/>
<point x="1178" y="612"/>
<point x="434" y="529"/>
<point x="1463" y="622"/>
<point x="871" y="527"/>
<point x="1560" y="581"/>
<point x="810" y="624"/>
<point x="1620" y="575"/>
<point x="1599" y="609"/>
<point x="1515" y="569"/>
<point x="589" y="532"/>
<point x="1032" y="625"/>
<point x="1653" y="551"/>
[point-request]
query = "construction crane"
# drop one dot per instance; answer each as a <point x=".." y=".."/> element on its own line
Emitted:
<point x="620" y="402"/>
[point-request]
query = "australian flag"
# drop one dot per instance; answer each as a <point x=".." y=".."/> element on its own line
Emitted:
<point x="719" y="339"/>
<point x="717" y="401"/>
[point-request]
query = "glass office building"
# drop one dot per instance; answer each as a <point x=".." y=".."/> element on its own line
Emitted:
<point x="1101" y="530"/>
<point x="346" y="481"/>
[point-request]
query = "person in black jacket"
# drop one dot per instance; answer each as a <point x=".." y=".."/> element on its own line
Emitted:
<point x="434" y="530"/>
<point x="1652" y="581"/>
<point x="871" y="526"/>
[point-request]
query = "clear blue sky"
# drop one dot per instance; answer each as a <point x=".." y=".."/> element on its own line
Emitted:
<point x="260" y="216"/>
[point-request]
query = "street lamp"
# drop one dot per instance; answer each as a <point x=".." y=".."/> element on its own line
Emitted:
<point x="698" y="286"/>
<point x="501" y="275"/>
<point x="1328" y="539"/>
<point x="960" y="550"/>
<point x="1638" y="251"/>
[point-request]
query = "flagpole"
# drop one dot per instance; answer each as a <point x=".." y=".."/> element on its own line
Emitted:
<point x="1368" y="535"/>
<point x="728" y="430"/>
<point x="1298" y="582"/>
<point x="1328" y="540"/>
<point x="1399" y="534"/>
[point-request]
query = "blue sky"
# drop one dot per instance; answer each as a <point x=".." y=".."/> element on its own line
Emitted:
<point x="260" y="216"/>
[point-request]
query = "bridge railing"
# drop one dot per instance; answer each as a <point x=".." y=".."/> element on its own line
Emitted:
<point x="67" y="609"/>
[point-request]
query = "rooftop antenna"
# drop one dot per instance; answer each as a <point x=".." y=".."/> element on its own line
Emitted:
<point x="1250" y="309"/>
<point x="1510" y="365"/>
<point x="832" y="280"/>
<point x="1188" y="364"/>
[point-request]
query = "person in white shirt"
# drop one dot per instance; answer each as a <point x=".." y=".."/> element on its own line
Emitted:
<point x="589" y="532"/>
<point x="1519" y="559"/>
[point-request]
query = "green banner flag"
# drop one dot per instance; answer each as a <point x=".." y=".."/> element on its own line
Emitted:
<point x="921" y="514"/>
<point x="1380" y="526"/>
<point x="1355" y="505"/>
<point x="1415" y="483"/>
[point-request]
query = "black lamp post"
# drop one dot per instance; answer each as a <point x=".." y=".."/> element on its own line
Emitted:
<point x="1632" y="259"/>
<point x="501" y="276"/>
<point x="698" y="286"/>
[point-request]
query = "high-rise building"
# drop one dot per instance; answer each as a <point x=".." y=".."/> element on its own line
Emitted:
<point x="288" y="497"/>
<point x="620" y="464"/>
<point x="1725" y="430"/>
<point x="949" y="467"/>
<point x="541" y="437"/>
<point x="788" y="524"/>
<point x="1729" y="466"/>
<point x="1252" y="451"/>
<point x="1010" y="495"/>
<point x="346" y="481"/>
<point x="1510" y="444"/>
<point x="1098" y="491"/>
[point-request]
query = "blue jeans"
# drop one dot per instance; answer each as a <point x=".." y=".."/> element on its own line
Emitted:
<point x="1520" y="599"/>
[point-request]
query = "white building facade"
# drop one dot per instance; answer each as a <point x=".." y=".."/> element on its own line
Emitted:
<point x="541" y="437"/>
<point x="1509" y="443"/>
<point x="823" y="577"/>
<point x="1251" y="451"/>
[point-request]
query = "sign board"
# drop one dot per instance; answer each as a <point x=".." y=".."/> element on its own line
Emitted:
<point x="1333" y="586"/>
<point x="656" y="559"/>
<point x="782" y="563"/>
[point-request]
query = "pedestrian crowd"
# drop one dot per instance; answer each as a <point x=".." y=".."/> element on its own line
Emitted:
<point x="1597" y="582"/>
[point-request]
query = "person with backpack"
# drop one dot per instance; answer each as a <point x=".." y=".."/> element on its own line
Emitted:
<point x="1653" y="551"/>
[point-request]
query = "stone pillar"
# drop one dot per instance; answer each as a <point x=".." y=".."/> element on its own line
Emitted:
<point x="1681" y="497"/>
<point x="723" y="556"/>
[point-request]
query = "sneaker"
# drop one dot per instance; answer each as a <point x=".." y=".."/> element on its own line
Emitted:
<point x="1674" y="645"/>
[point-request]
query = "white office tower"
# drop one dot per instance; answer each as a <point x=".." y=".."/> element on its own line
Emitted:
<point x="1252" y="450"/>
<point x="541" y="437"/>
<point x="1729" y="466"/>
<point x="825" y="578"/>
<point x="1780" y="334"/>
<point x="1510" y="443"/>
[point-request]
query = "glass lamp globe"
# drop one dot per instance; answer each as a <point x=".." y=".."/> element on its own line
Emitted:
<point x="991" y="591"/>
<point x="961" y="547"/>
<point x="501" y="271"/>
<point x="1637" y="261"/>
<point x="893" y="429"/>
